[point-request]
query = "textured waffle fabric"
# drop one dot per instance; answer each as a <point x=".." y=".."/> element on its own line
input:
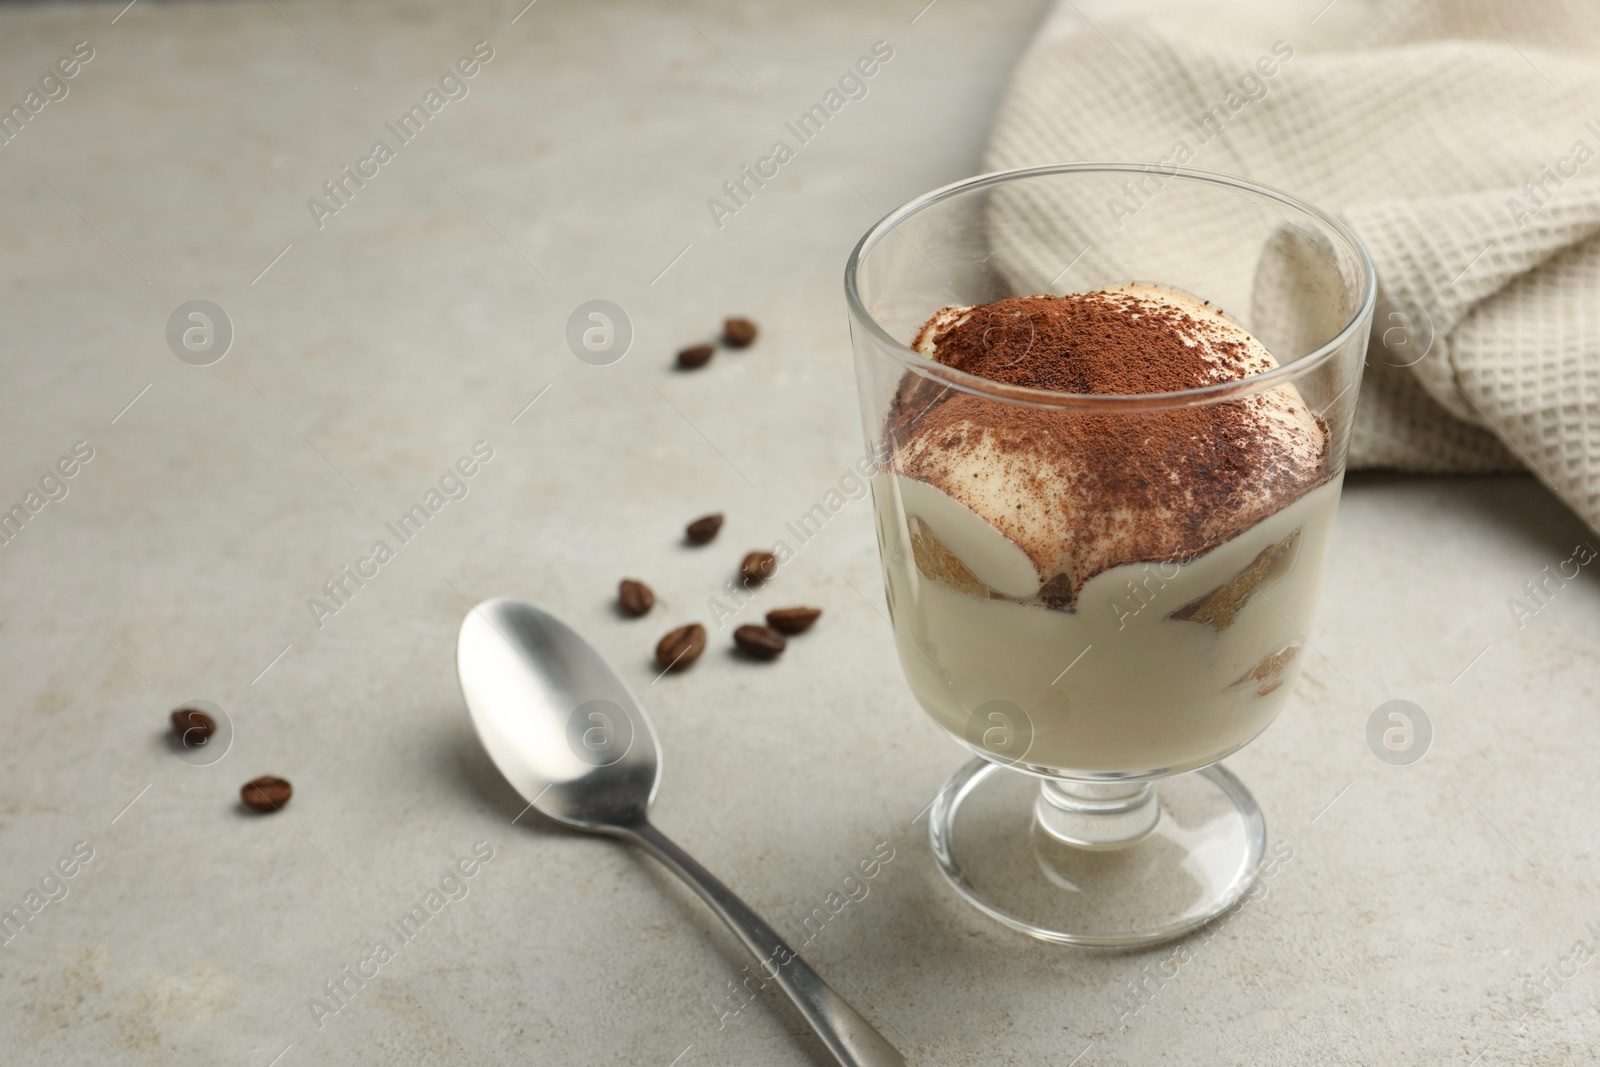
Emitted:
<point x="1459" y="138"/>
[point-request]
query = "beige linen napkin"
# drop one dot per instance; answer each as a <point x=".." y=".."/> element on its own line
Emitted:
<point x="1459" y="138"/>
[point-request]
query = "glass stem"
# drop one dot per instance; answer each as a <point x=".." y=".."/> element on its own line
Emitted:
<point x="1096" y="815"/>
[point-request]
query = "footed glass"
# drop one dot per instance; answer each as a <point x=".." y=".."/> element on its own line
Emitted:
<point x="1096" y="811"/>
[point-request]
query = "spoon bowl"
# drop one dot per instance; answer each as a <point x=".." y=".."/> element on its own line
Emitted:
<point x="556" y="720"/>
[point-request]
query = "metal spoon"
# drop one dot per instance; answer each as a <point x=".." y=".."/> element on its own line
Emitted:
<point x="570" y="737"/>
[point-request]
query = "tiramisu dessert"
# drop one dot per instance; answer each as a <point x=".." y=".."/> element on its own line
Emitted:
<point x="1137" y="582"/>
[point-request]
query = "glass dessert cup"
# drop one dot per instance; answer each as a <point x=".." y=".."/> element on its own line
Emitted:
<point x="1079" y="692"/>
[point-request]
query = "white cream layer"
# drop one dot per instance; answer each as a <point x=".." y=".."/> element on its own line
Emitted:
<point x="1140" y="691"/>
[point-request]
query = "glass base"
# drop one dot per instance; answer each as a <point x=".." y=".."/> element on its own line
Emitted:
<point x="999" y="838"/>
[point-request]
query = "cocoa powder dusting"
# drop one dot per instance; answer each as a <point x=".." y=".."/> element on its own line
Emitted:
<point x="1103" y="343"/>
<point x="1145" y="486"/>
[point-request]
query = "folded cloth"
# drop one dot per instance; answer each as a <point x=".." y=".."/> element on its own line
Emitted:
<point x="1459" y="138"/>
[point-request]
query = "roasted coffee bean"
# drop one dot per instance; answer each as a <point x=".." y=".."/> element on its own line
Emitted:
<point x="738" y="332"/>
<point x="703" y="529"/>
<point x="681" y="647"/>
<point x="635" y="597"/>
<point x="266" y="793"/>
<point x="695" y="356"/>
<point x="759" y="642"/>
<point x="758" y="566"/>
<point x="793" y="620"/>
<point x="192" y="727"/>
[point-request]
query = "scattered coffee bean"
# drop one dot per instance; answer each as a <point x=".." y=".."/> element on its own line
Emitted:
<point x="192" y="727"/>
<point x="635" y="597"/>
<point x="738" y="332"/>
<point x="759" y="642"/>
<point x="266" y="793"/>
<point x="793" y="620"/>
<point x="681" y="647"/>
<point x="695" y="356"/>
<point x="758" y="566"/>
<point x="703" y="529"/>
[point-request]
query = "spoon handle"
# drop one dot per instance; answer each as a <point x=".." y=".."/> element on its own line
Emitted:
<point x="852" y="1040"/>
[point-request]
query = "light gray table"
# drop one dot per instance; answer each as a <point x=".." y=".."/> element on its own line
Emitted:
<point x="426" y="315"/>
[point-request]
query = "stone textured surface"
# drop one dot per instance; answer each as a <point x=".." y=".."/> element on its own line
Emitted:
<point x="378" y="349"/>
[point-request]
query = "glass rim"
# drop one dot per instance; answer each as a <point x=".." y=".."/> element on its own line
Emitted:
<point x="925" y="367"/>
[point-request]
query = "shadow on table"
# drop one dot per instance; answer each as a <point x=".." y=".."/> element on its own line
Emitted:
<point x="467" y="768"/>
<point x="1519" y="504"/>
